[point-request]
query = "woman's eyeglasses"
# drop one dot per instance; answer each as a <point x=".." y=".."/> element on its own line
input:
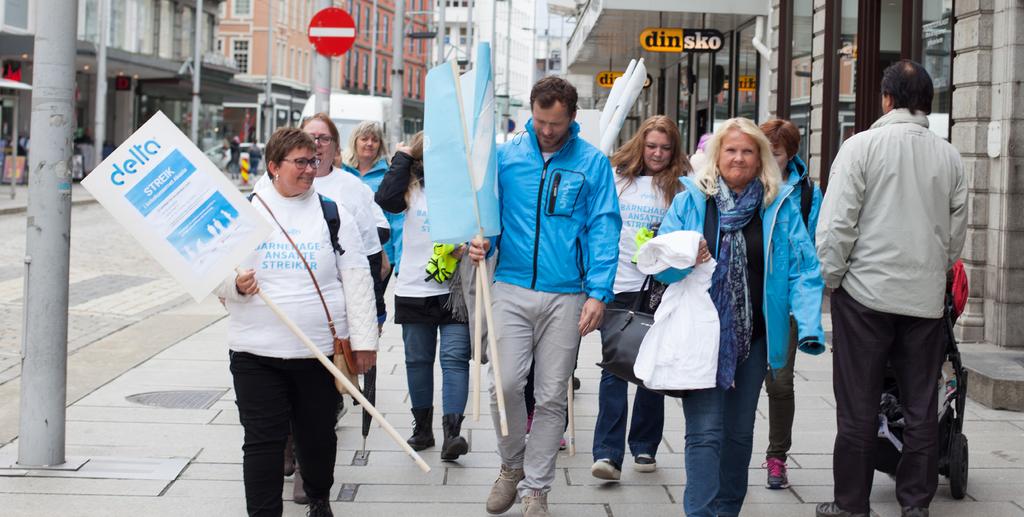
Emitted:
<point x="302" y="163"/>
<point x="323" y="139"/>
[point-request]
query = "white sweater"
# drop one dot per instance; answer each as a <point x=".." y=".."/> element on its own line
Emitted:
<point x="345" y="282"/>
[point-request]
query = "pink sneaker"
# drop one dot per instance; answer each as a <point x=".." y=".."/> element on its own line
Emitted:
<point x="777" y="478"/>
<point x="529" y="422"/>
<point x="561" y="444"/>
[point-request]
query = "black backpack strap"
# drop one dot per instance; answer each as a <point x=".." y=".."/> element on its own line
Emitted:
<point x="711" y="226"/>
<point x="806" y="199"/>
<point x="330" y="210"/>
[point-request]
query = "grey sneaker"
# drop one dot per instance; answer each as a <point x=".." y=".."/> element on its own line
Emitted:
<point x="644" y="463"/>
<point x="832" y="509"/>
<point x="535" y="505"/>
<point x="503" y="493"/>
<point x="914" y="511"/>
<point x="606" y="469"/>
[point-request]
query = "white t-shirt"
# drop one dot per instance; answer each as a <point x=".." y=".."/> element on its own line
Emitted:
<point x="253" y="327"/>
<point x="641" y="206"/>
<point x="417" y="248"/>
<point x="352" y="195"/>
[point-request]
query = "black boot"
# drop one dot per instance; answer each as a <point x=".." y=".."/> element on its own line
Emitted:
<point x="422" y="432"/>
<point x="454" y="445"/>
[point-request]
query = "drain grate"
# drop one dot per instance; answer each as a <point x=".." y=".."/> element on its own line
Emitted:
<point x="182" y="399"/>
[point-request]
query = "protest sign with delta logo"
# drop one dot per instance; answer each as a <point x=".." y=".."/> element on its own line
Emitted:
<point x="178" y="205"/>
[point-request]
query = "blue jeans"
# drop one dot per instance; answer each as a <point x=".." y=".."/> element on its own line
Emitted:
<point x="420" y="347"/>
<point x="645" y="429"/>
<point x="720" y="439"/>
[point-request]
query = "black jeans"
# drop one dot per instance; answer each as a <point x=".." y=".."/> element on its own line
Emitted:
<point x="865" y="340"/>
<point x="275" y="397"/>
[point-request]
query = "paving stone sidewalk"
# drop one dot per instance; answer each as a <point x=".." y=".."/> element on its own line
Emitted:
<point x="142" y="460"/>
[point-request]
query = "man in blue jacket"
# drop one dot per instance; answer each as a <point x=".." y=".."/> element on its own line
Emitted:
<point x="557" y="255"/>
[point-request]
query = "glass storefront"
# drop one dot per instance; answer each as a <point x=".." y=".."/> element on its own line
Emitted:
<point x="800" y="73"/>
<point x="936" y="57"/>
<point x="746" y="74"/>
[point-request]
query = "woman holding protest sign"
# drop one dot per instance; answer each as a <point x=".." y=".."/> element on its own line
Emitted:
<point x="328" y="293"/>
<point x="647" y="171"/>
<point x="428" y="301"/>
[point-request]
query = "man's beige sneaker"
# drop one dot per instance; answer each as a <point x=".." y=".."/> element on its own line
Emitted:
<point x="535" y="505"/>
<point x="503" y="493"/>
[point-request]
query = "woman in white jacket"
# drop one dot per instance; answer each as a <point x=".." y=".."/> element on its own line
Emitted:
<point x="277" y="381"/>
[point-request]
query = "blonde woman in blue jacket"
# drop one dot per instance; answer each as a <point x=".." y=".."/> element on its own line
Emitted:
<point x="766" y="269"/>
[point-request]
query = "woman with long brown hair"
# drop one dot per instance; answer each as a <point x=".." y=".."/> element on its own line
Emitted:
<point x="647" y="171"/>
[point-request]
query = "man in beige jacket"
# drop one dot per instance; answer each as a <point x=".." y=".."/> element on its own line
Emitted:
<point x="892" y="224"/>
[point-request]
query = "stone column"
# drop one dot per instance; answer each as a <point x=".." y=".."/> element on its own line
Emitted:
<point x="972" y="80"/>
<point x="1004" y="274"/>
<point x="817" y="88"/>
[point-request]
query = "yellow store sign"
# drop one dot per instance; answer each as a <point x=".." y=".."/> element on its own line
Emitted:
<point x="670" y="39"/>
<point x="607" y="78"/>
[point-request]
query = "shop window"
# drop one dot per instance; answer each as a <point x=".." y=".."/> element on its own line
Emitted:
<point x="721" y="83"/>
<point x="937" y="59"/>
<point x="240" y="53"/>
<point x="746" y="74"/>
<point x="16" y="13"/>
<point x="800" y="73"/>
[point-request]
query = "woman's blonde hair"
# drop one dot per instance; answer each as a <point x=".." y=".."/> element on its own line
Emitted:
<point x="771" y="178"/>
<point x="629" y="159"/>
<point x="365" y="128"/>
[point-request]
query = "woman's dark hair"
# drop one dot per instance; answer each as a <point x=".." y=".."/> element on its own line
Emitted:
<point x="908" y="85"/>
<point x="331" y="128"/>
<point x="553" y="89"/>
<point x="284" y="141"/>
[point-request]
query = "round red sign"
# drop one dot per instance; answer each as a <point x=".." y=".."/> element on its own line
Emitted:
<point x="332" y="31"/>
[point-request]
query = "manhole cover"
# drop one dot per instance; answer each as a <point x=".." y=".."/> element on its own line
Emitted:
<point x="184" y="399"/>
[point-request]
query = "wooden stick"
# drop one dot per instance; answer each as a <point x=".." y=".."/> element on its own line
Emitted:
<point x="572" y="422"/>
<point x="492" y="346"/>
<point x="478" y="316"/>
<point x="352" y="389"/>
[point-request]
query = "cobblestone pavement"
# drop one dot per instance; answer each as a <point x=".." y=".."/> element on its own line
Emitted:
<point x="113" y="283"/>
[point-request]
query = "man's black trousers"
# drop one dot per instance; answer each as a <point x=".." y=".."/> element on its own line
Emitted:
<point x="865" y="342"/>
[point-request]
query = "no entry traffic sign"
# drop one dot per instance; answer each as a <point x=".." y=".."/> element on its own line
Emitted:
<point x="332" y="32"/>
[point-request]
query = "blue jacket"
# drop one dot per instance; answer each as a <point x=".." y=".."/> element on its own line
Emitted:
<point x="560" y="219"/>
<point x="798" y="180"/>
<point x="372" y="179"/>
<point x="792" y="275"/>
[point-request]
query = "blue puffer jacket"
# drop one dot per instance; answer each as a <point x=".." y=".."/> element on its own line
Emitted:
<point x="560" y="219"/>
<point x="792" y="275"/>
<point x="372" y="179"/>
<point x="798" y="180"/>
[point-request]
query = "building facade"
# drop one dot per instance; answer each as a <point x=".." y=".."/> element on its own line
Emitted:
<point x="512" y="26"/>
<point x="149" y="52"/>
<point x="826" y="73"/>
<point x="287" y="57"/>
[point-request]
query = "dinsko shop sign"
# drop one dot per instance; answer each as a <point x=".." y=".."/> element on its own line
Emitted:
<point x="668" y="39"/>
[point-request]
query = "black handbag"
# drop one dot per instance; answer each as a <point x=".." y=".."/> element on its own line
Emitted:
<point x="622" y="333"/>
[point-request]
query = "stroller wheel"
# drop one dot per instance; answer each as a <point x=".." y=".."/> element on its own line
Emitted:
<point x="958" y="466"/>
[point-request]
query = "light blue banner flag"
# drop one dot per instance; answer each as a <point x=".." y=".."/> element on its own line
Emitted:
<point x="459" y="162"/>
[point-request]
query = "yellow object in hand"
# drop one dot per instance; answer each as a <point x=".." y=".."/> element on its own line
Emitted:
<point x="642" y="236"/>
<point x="442" y="264"/>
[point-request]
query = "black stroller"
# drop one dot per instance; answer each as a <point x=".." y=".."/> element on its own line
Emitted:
<point x="952" y="397"/>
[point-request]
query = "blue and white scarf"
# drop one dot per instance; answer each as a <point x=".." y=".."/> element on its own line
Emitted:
<point x="730" y="290"/>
